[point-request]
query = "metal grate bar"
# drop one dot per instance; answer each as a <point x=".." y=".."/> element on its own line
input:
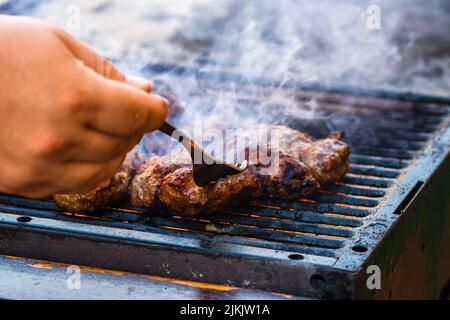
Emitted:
<point x="406" y="136"/>
<point x="371" y="170"/>
<point x="252" y="232"/>
<point x="344" y="199"/>
<point x="321" y="207"/>
<point x="379" y="161"/>
<point x="342" y="188"/>
<point x="368" y="181"/>
<point x="279" y="224"/>
<point x="297" y="215"/>
<point x="388" y="142"/>
<point x="383" y="152"/>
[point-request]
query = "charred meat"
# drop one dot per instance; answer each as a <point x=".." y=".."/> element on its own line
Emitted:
<point x="327" y="158"/>
<point x="179" y="193"/>
<point x="303" y="165"/>
<point x="149" y="176"/>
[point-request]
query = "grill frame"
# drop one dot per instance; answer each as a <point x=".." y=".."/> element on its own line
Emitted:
<point x="204" y="258"/>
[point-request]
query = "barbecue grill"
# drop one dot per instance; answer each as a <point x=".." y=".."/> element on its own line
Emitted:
<point x="392" y="210"/>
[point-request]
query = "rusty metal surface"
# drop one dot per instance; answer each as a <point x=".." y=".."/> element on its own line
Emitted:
<point x="414" y="256"/>
<point x="22" y="278"/>
<point x="72" y="244"/>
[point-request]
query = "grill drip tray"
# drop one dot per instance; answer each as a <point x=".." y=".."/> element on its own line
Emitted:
<point x="311" y="246"/>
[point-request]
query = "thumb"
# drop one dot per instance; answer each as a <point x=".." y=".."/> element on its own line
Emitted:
<point x="118" y="109"/>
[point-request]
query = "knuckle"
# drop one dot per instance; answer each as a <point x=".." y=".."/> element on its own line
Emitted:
<point x="71" y="100"/>
<point x="47" y="144"/>
<point x="156" y="116"/>
<point x="107" y="69"/>
<point x="139" y="124"/>
<point x="45" y="25"/>
<point x="49" y="26"/>
<point x="100" y="64"/>
<point x="161" y="115"/>
<point x="21" y="179"/>
<point x="55" y="29"/>
<point x="112" y="72"/>
<point x="21" y="175"/>
<point x="165" y="107"/>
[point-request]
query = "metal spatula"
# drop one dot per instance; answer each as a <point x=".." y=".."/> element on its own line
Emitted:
<point x="210" y="169"/>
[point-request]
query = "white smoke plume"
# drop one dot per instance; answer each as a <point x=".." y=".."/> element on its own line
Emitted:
<point x="302" y="41"/>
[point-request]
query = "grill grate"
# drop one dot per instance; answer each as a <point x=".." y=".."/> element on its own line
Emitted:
<point x="387" y="136"/>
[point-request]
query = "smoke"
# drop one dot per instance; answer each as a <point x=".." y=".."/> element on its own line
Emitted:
<point x="308" y="41"/>
<point x="329" y="41"/>
<point x="326" y="42"/>
<point x="302" y="41"/>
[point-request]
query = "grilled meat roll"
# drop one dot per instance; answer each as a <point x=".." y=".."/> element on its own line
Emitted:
<point x="327" y="158"/>
<point x="148" y="178"/>
<point x="179" y="193"/>
<point x="304" y="165"/>
<point x="290" y="179"/>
